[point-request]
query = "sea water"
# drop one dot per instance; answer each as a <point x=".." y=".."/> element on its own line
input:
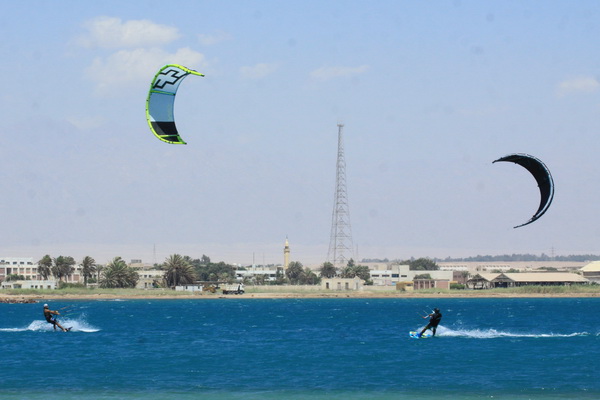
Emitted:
<point x="343" y="348"/>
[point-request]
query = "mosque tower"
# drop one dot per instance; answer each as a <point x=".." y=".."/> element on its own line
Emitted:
<point x="286" y="254"/>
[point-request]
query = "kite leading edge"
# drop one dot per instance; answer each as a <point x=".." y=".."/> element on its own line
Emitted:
<point x="161" y="99"/>
<point x="543" y="177"/>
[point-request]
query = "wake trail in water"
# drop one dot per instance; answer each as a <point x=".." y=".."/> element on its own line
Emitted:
<point x="76" y="325"/>
<point x="493" y="333"/>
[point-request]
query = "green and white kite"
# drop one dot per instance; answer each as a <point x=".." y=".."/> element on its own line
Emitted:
<point x="160" y="101"/>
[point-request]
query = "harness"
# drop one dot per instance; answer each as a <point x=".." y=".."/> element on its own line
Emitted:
<point x="435" y="319"/>
<point x="49" y="317"/>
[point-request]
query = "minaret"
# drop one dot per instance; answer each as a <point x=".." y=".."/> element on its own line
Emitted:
<point x="286" y="254"/>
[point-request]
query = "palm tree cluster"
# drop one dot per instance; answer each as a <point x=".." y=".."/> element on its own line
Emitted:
<point x="118" y="274"/>
<point x="60" y="267"/>
<point x="360" y="271"/>
<point x="351" y="270"/>
<point x="328" y="270"/>
<point x="63" y="267"/>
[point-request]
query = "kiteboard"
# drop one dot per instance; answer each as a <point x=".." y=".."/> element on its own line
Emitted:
<point x="415" y="335"/>
<point x="68" y="329"/>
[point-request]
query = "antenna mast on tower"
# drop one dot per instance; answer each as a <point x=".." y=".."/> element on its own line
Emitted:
<point x="340" y="241"/>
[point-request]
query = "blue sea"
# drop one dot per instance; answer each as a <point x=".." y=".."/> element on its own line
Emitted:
<point x="238" y="348"/>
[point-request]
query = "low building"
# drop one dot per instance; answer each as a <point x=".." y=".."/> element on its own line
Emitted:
<point x="592" y="271"/>
<point x="29" y="284"/>
<point x="258" y="273"/>
<point x="393" y="274"/>
<point x="190" y="287"/>
<point x="474" y="267"/>
<point x="539" y="278"/>
<point x="342" y="283"/>
<point x="420" y="284"/>
<point x="149" y="279"/>
<point x="481" y="281"/>
<point x="502" y="280"/>
<point x="460" y="277"/>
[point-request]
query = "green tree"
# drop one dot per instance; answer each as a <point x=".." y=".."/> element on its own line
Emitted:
<point x="294" y="272"/>
<point x="178" y="270"/>
<point x="63" y="267"/>
<point x="422" y="276"/>
<point x="88" y="268"/>
<point x="361" y="271"/>
<point x="118" y="274"/>
<point x="422" y="264"/>
<point x="309" y="277"/>
<point x="212" y="272"/>
<point x="45" y="267"/>
<point x="327" y="270"/>
<point x="280" y="276"/>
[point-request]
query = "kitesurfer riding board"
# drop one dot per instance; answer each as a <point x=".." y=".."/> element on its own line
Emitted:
<point x="434" y="320"/>
<point x="50" y="316"/>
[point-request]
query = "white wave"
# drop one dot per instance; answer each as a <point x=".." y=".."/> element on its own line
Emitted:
<point x="493" y="333"/>
<point x="76" y="325"/>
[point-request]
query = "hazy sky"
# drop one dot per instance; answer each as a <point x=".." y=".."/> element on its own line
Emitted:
<point x="430" y="94"/>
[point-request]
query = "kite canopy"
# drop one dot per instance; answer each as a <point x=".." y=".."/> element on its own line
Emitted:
<point x="543" y="177"/>
<point x="160" y="101"/>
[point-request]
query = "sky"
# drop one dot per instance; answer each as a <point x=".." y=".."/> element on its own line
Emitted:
<point x="430" y="93"/>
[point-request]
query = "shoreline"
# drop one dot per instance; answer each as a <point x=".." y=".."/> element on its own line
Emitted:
<point x="36" y="298"/>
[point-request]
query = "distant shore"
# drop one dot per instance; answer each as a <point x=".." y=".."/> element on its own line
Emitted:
<point x="145" y="295"/>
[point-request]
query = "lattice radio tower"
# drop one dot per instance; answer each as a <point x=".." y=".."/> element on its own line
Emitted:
<point x="340" y="241"/>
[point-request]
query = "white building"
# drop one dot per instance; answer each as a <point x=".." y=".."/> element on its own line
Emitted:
<point x="18" y="266"/>
<point x="395" y="273"/>
<point x="264" y="273"/>
<point x="29" y="284"/>
<point x="189" y="287"/>
<point x="149" y="278"/>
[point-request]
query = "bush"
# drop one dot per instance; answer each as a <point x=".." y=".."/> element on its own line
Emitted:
<point x="457" y="286"/>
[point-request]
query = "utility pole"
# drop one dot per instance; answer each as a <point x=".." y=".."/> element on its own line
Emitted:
<point x="340" y="241"/>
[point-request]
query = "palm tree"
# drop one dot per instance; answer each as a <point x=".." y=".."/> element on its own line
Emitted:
<point x="118" y="274"/>
<point x="309" y="277"/>
<point x="45" y="267"/>
<point x="294" y="272"/>
<point x="327" y="270"/>
<point x="178" y="270"/>
<point x="63" y="267"/>
<point x="88" y="268"/>
<point x="362" y="271"/>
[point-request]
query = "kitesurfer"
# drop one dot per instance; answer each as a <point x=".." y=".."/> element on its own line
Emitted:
<point x="434" y="320"/>
<point x="50" y="316"/>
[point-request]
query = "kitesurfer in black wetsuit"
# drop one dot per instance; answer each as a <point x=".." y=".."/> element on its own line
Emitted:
<point x="50" y="316"/>
<point x="434" y="319"/>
